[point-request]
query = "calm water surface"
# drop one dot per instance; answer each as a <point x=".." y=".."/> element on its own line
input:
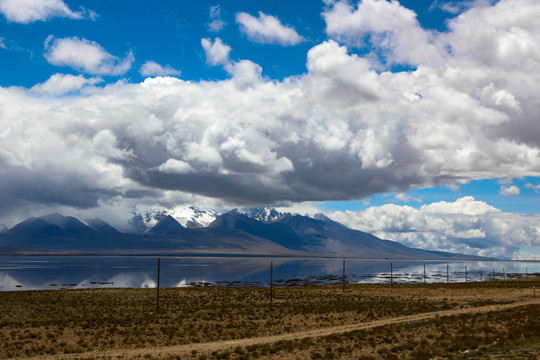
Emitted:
<point x="72" y="272"/>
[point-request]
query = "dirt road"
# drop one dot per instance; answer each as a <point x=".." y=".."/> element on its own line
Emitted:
<point x="224" y="345"/>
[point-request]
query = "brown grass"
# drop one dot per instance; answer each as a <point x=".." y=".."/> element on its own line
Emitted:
<point x="37" y="323"/>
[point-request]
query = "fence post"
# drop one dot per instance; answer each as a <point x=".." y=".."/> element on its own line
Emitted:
<point x="493" y="274"/>
<point x="465" y="273"/>
<point x="343" y="275"/>
<point x="447" y="275"/>
<point x="271" y="280"/>
<point x="504" y="275"/>
<point x="424" y="274"/>
<point x="481" y="275"/>
<point x="391" y="274"/>
<point x="157" y="296"/>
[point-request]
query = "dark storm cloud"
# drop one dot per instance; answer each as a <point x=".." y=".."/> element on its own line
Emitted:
<point x="47" y="187"/>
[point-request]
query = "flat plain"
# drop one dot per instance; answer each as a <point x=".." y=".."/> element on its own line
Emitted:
<point x="475" y="320"/>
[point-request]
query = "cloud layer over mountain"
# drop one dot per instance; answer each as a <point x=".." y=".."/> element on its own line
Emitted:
<point x="348" y="128"/>
<point x="465" y="226"/>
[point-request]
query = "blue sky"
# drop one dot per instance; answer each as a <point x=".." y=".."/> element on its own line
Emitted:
<point x="368" y="110"/>
<point x="169" y="32"/>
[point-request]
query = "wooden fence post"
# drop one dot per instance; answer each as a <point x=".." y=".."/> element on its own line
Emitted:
<point x="271" y="280"/>
<point x="343" y="275"/>
<point x="157" y="296"/>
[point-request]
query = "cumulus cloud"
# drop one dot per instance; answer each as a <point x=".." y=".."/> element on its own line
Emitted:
<point x="27" y="11"/>
<point x="509" y="190"/>
<point x="342" y="130"/>
<point x="217" y="53"/>
<point x="466" y="205"/>
<point x="389" y="26"/>
<point x="59" y="84"/>
<point x="216" y="24"/>
<point x="267" y="29"/>
<point x="152" y="68"/>
<point x="173" y="166"/>
<point x="465" y="226"/>
<point x="85" y="56"/>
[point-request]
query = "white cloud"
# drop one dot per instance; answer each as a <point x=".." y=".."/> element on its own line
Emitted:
<point x="245" y="73"/>
<point x="216" y="24"/>
<point x="536" y="187"/>
<point x="466" y="205"/>
<point x="85" y="56"/>
<point x="59" y="84"/>
<point x="217" y="53"/>
<point x="453" y="7"/>
<point x="391" y="26"/>
<point x="267" y="29"/>
<point x="175" y="166"/>
<point x="152" y="68"/>
<point x="27" y="11"/>
<point x="511" y="190"/>
<point x="464" y="226"/>
<point x="3" y="43"/>
<point x="407" y="198"/>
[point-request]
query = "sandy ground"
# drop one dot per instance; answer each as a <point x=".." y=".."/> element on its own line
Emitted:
<point x="230" y="344"/>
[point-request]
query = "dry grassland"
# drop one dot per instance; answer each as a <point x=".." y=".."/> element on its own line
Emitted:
<point x="79" y="322"/>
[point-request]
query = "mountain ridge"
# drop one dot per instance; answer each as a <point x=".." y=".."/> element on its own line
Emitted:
<point x="267" y="233"/>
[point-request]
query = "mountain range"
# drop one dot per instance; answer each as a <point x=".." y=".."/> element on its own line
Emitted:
<point x="258" y="232"/>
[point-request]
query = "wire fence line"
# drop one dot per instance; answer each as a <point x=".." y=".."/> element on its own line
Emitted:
<point x="35" y="273"/>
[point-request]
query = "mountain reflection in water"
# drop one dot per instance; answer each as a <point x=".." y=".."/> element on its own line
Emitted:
<point x="74" y="272"/>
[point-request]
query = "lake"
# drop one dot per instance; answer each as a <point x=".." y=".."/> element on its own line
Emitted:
<point x="73" y="272"/>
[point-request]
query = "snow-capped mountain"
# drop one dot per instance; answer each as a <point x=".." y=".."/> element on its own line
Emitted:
<point x="189" y="217"/>
<point x="192" y="217"/>
<point x="264" y="214"/>
<point x="233" y="232"/>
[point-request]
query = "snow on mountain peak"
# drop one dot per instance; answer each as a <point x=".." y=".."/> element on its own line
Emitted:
<point x="190" y="217"/>
<point x="264" y="214"/>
